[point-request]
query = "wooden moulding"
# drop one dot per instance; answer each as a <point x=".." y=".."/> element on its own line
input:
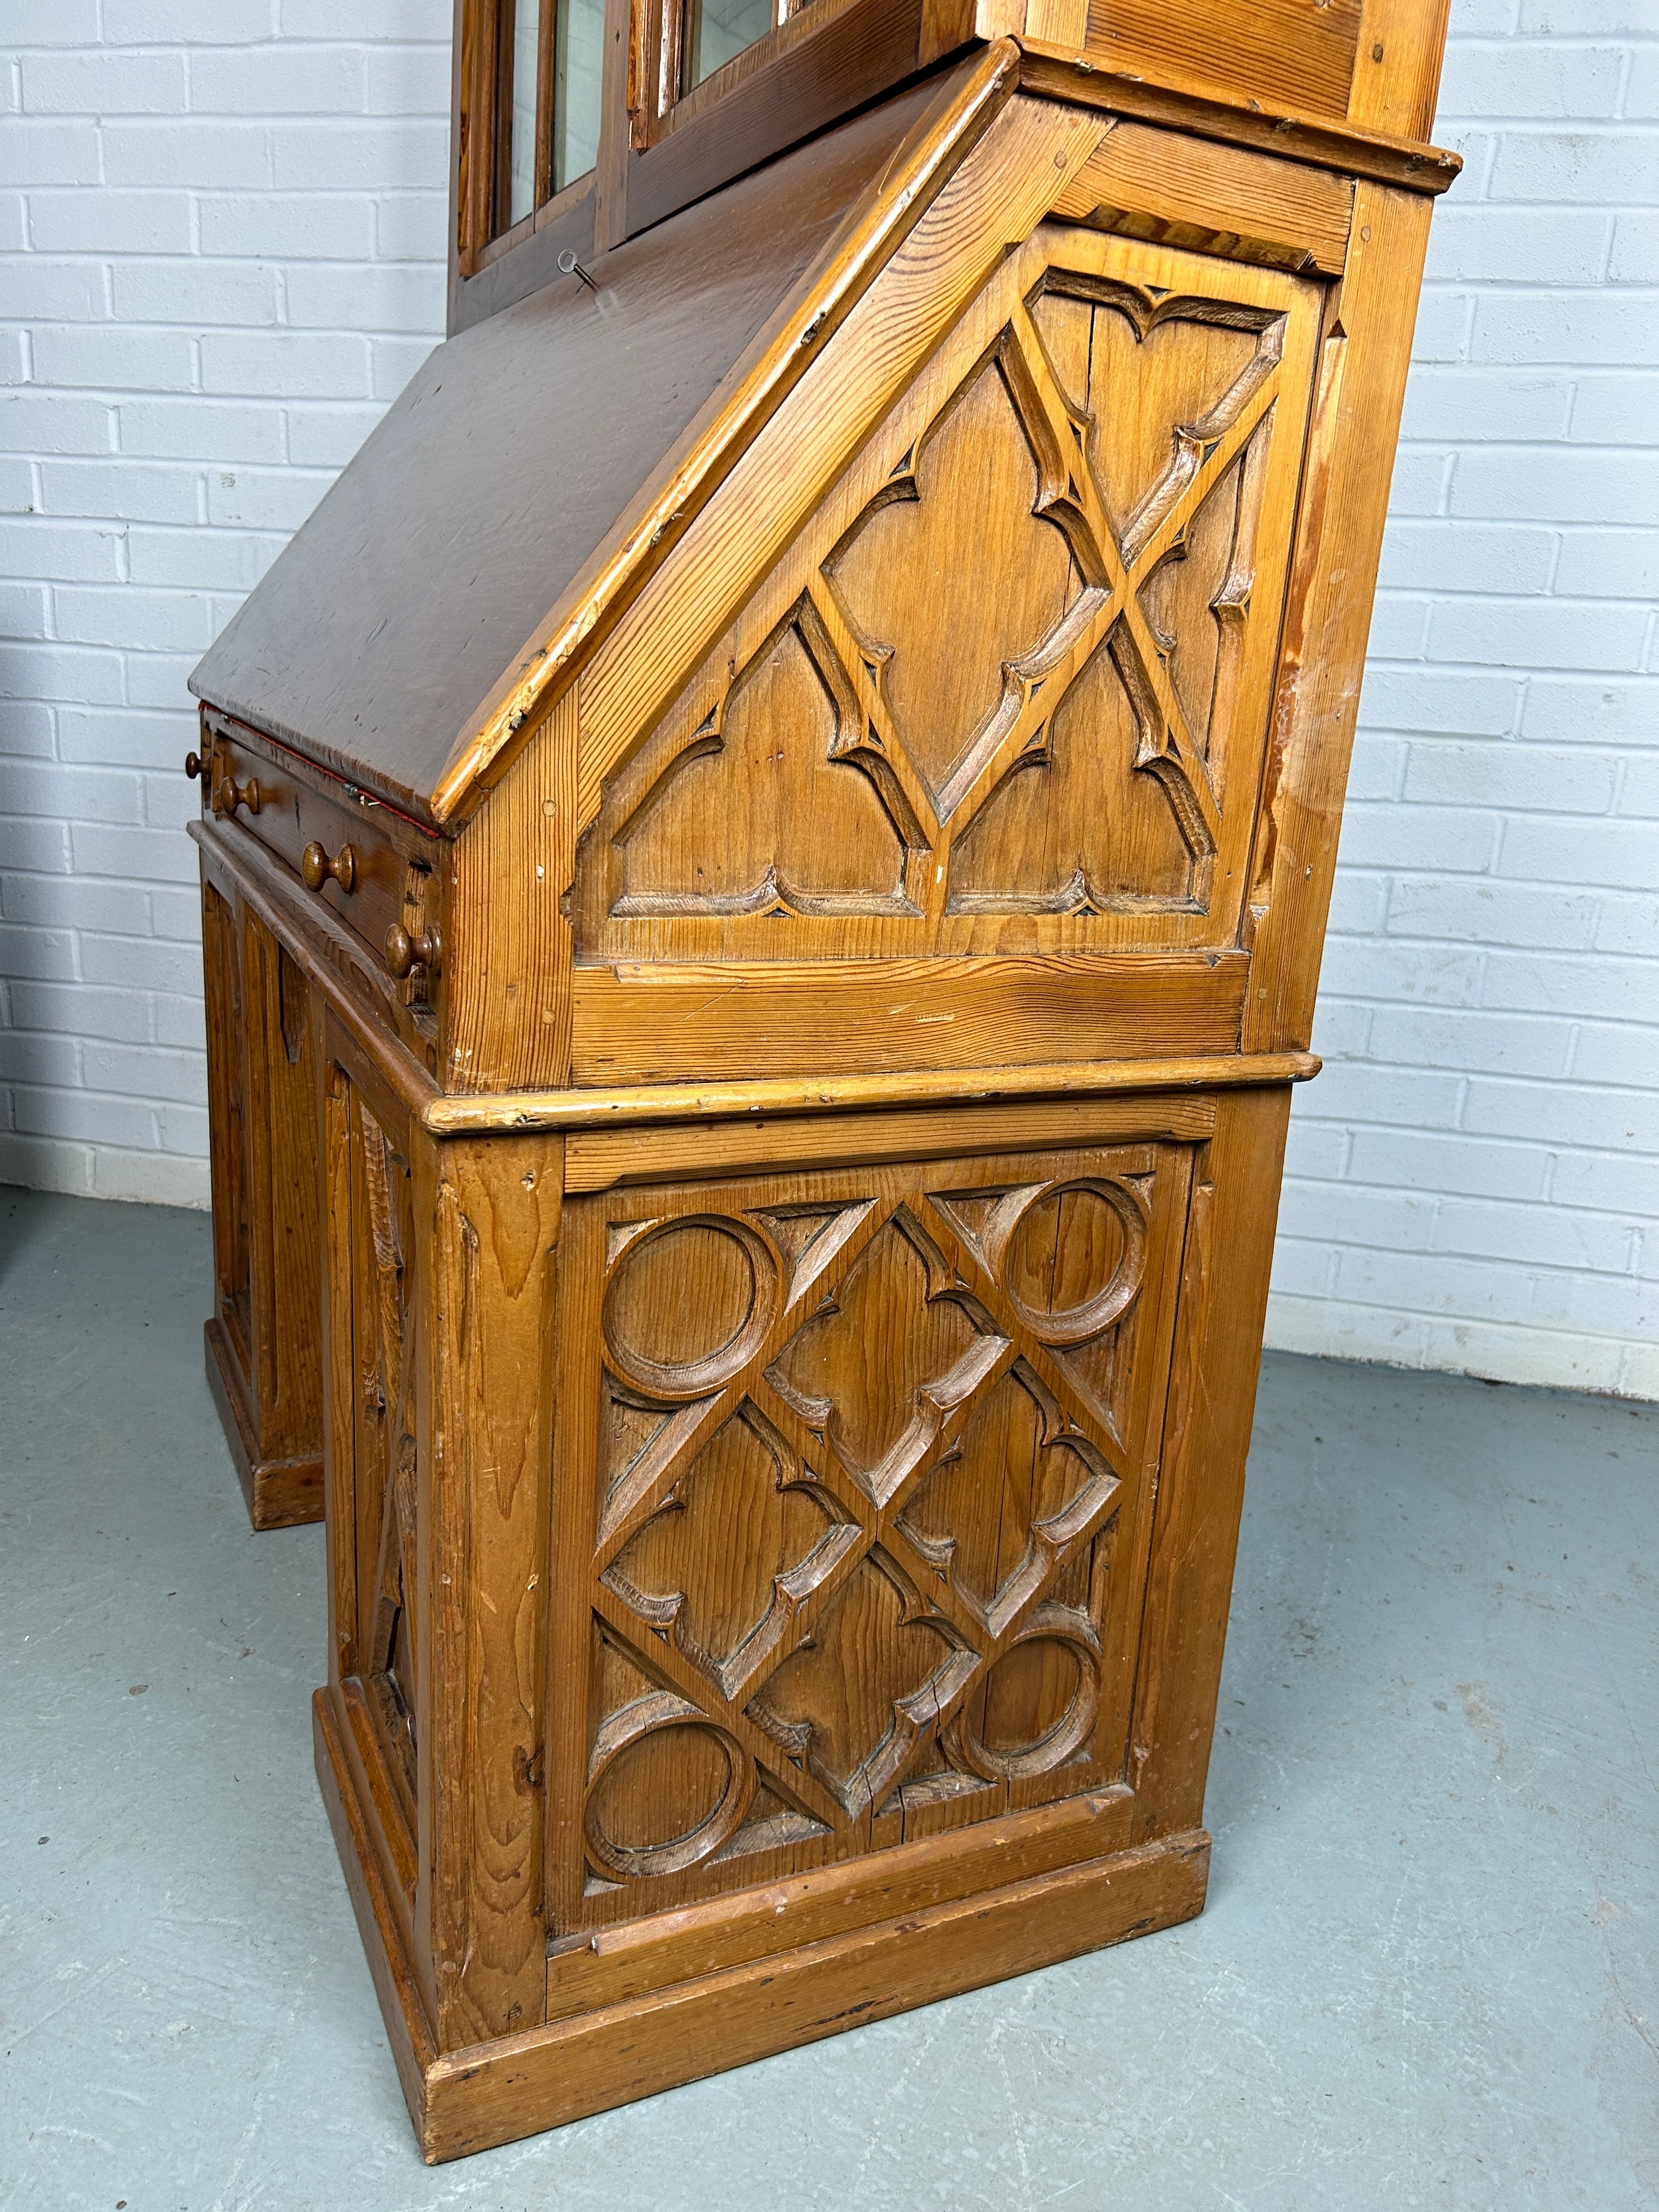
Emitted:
<point x="1145" y="182"/>
<point x="449" y="1117"/>
<point x="279" y="1493"/>
<point x="598" y="1159"/>
<point x="1209" y="113"/>
<point x="906" y="1937"/>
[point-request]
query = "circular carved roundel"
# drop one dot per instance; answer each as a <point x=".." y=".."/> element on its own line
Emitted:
<point x="689" y="1302"/>
<point x="1073" y="1259"/>
<point x="666" y="1788"/>
<point x="1047" y="1675"/>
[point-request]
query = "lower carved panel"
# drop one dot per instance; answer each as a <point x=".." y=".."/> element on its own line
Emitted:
<point x="872" y="1465"/>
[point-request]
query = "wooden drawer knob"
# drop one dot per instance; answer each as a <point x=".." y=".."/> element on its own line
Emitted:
<point x="404" y="953"/>
<point x="197" y="764"/>
<point x="316" y="868"/>
<point x="228" y="795"/>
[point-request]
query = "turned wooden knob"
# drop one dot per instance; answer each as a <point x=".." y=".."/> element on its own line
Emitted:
<point x="316" y="868"/>
<point x="404" y="952"/>
<point x="197" y="764"/>
<point x="228" y="795"/>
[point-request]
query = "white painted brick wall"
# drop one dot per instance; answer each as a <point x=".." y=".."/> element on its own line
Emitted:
<point x="1474" y="1181"/>
<point x="222" y="230"/>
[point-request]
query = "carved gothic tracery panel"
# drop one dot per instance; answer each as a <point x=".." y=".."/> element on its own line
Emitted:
<point x="874" y="1471"/>
<point x="1010" y="688"/>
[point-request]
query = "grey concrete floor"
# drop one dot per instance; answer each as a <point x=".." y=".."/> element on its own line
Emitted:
<point x="1428" y="1975"/>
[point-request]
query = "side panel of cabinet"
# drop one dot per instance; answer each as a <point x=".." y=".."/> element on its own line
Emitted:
<point x="864" y="1464"/>
<point x="262" y="1341"/>
<point x="372" y="1462"/>
<point x="439" y="1344"/>
<point x="976" y="765"/>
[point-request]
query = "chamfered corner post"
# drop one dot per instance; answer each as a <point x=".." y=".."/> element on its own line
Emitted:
<point x="493" y="1207"/>
<point x="1227" y="1260"/>
<point x="440" y="1256"/>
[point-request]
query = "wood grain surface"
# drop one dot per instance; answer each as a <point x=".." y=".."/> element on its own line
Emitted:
<point x="538" y="414"/>
<point x="733" y="1019"/>
<point x="851" y="716"/>
<point x="262" y="1339"/>
<point x="1182" y="191"/>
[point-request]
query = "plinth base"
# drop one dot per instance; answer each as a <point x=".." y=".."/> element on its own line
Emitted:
<point x="492" y="2092"/>
<point x="279" y="1493"/>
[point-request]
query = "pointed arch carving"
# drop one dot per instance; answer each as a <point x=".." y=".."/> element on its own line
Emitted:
<point x="1032" y="627"/>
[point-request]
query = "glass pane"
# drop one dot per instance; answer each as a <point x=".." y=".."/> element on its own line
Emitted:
<point x="716" y="30"/>
<point x="522" y="182"/>
<point x="581" y="46"/>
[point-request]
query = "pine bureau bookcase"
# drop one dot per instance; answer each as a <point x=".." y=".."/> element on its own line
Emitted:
<point x="765" y="859"/>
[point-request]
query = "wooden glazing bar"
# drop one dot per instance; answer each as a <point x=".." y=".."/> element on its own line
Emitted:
<point x="821" y="72"/>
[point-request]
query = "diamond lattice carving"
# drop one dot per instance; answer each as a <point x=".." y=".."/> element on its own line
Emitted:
<point x="1075" y="582"/>
<point x="1116" y="565"/>
<point x="740" y="1541"/>
<point x="847" y="1554"/>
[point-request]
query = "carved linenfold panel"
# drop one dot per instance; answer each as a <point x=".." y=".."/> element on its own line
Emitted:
<point x="1009" y="690"/>
<point x="384" y="1421"/>
<point x="869" y="1529"/>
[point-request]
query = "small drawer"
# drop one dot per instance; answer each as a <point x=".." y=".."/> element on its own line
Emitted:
<point x="374" y="870"/>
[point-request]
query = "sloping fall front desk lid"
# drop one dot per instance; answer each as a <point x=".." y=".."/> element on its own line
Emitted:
<point x="523" y="450"/>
